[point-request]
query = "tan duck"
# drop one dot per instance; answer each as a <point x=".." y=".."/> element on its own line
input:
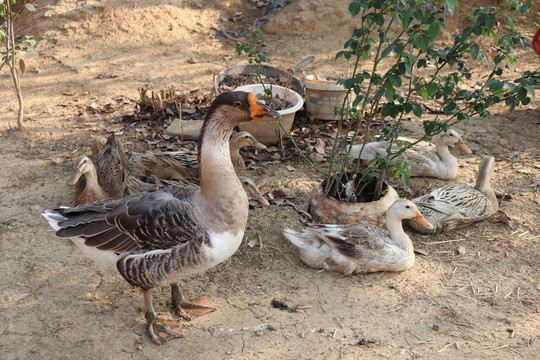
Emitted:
<point x="159" y="237"/>
<point x="136" y="185"/>
<point x="359" y="248"/>
<point x="439" y="164"/>
<point x="103" y="177"/>
<point x="182" y="165"/>
<point x="455" y="205"/>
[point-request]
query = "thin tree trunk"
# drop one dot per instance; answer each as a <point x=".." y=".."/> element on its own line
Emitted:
<point x="12" y="63"/>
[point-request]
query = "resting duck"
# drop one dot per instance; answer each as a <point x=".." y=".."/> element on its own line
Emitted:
<point x="359" y="248"/>
<point x="136" y="185"/>
<point x="105" y="177"/>
<point x="456" y="205"/>
<point x="439" y="164"/>
<point x="182" y="165"/>
<point x="159" y="237"/>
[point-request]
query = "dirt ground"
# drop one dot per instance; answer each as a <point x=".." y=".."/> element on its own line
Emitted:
<point x="481" y="302"/>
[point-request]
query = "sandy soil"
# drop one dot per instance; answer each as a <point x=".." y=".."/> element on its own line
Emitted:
<point x="481" y="302"/>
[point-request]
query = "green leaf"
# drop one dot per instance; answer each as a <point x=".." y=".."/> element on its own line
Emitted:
<point x="422" y="42"/>
<point x="450" y="6"/>
<point x="2" y="35"/>
<point x="424" y="93"/>
<point x="354" y="8"/>
<point x="434" y="30"/>
<point x="30" y="7"/>
<point x="475" y="50"/>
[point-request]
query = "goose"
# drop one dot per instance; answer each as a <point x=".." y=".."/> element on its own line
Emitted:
<point x="454" y="205"/>
<point x="182" y="164"/>
<point x="105" y="176"/>
<point x="137" y="185"/>
<point x="439" y="164"/>
<point x="353" y="248"/>
<point x="159" y="237"/>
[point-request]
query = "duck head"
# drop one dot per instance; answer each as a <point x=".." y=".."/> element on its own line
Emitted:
<point x="81" y="166"/>
<point x="451" y="137"/>
<point x="406" y="209"/>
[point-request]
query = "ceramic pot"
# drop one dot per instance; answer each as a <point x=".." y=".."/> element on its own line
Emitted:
<point x="267" y="130"/>
<point x="326" y="210"/>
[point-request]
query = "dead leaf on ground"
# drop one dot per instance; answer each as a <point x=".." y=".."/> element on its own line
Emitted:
<point x="317" y="158"/>
<point x="107" y="75"/>
<point x="537" y="199"/>
<point x="320" y="146"/>
<point x="505" y="219"/>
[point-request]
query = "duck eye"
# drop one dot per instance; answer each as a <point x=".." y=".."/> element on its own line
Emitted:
<point x="451" y="134"/>
<point x="238" y="104"/>
<point x="408" y="207"/>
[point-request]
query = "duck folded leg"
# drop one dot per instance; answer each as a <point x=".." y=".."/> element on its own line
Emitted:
<point x="164" y="332"/>
<point x="195" y="307"/>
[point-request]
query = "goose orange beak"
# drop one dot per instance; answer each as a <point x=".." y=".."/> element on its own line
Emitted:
<point x="461" y="145"/>
<point x="420" y="219"/>
<point x="260" y="111"/>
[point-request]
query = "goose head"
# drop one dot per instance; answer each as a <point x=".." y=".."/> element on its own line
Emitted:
<point x="82" y="165"/>
<point x="232" y="108"/>
<point x="451" y="137"/>
<point x="244" y="138"/>
<point x="405" y="209"/>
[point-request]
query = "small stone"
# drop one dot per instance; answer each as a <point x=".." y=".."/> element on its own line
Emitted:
<point x="461" y="250"/>
<point x="436" y="327"/>
<point x="35" y="207"/>
<point x="151" y="77"/>
<point x="503" y="142"/>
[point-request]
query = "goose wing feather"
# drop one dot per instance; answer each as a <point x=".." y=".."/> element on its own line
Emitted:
<point x="146" y="221"/>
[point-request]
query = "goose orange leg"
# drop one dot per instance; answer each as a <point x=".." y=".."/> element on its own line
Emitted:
<point x="164" y="332"/>
<point x="195" y="307"/>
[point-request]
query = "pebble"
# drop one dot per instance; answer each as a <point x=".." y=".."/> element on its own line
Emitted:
<point x="436" y="327"/>
<point x="35" y="207"/>
<point x="503" y="142"/>
<point x="461" y="250"/>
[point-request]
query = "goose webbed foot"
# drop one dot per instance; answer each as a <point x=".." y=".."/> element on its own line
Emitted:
<point x="191" y="309"/>
<point x="158" y="332"/>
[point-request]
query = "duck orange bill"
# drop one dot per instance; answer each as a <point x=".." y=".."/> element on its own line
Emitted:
<point x="259" y="110"/>
<point x="461" y="145"/>
<point x="422" y="221"/>
<point x="261" y="199"/>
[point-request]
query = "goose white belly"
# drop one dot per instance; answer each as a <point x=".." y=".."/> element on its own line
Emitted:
<point x="224" y="245"/>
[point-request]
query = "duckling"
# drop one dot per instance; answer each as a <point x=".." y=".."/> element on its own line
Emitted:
<point x="159" y="237"/>
<point x="456" y="205"/>
<point x="137" y="185"/>
<point x="359" y="248"/>
<point x="182" y="164"/>
<point x="105" y="177"/>
<point x="439" y="164"/>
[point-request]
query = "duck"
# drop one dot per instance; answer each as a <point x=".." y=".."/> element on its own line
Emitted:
<point x="159" y="237"/>
<point x="182" y="164"/>
<point x="105" y="176"/>
<point x="438" y="163"/>
<point x="137" y="185"/>
<point x="354" y="249"/>
<point x="456" y="205"/>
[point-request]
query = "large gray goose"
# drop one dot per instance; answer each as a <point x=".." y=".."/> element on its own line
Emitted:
<point x="159" y="237"/>
<point x="454" y="205"/>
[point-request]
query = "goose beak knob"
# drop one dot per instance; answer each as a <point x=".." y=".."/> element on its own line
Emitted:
<point x="259" y="110"/>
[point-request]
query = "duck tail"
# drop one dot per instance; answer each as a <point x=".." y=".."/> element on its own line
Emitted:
<point x="484" y="174"/>
<point x="298" y="239"/>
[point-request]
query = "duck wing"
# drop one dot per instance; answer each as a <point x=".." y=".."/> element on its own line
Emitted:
<point x="368" y="244"/>
<point x="155" y="220"/>
<point x="455" y="201"/>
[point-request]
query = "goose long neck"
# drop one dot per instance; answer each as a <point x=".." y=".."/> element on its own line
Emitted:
<point x="221" y="196"/>
<point x="394" y="226"/>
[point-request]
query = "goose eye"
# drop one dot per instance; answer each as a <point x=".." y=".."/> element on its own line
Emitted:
<point x="238" y="104"/>
<point x="407" y="206"/>
<point x="451" y="134"/>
